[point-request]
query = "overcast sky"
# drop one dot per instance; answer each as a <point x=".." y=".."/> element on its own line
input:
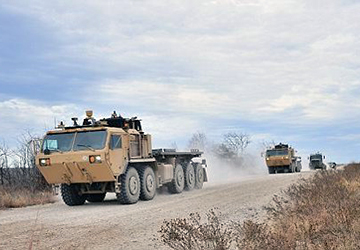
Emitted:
<point x="282" y="70"/>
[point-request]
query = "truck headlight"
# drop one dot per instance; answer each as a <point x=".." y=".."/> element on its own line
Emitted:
<point x="45" y="162"/>
<point x="95" y="159"/>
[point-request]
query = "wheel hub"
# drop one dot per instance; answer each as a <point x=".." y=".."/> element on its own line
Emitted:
<point x="191" y="177"/>
<point x="149" y="183"/>
<point x="179" y="178"/>
<point x="133" y="185"/>
<point x="200" y="174"/>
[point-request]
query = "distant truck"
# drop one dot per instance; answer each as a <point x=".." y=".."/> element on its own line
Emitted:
<point x="332" y="165"/>
<point x="316" y="161"/>
<point x="114" y="155"/>
<point x="282" y="158"/>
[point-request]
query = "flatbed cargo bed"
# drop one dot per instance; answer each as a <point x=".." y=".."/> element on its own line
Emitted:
<point x="173" y="152"/>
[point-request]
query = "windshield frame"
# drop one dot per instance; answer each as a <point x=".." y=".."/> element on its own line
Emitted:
<point x="73" y="147"/>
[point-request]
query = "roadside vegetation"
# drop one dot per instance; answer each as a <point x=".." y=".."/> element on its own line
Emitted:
<point x="21" y="184"/>
<point x="12" y="198"/>
<point x="321" y="212"/>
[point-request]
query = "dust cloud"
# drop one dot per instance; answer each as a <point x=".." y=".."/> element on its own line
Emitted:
<point x="225" y="170"/>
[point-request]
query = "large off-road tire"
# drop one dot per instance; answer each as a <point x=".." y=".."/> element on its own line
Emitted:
<point x="177" y="184"/>
<point x="95" y="197"/>
<point x="130" y="187"/>
<point x="189" y="175"/>
<point x="291" y="169"/>
<point x="71" y="195"/>
<point x="147" y="183"/>
<point x="271" y="170"/>
<point x="199" y="176"/>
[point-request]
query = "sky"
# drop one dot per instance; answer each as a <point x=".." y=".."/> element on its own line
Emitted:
<point x="279" y="70"/>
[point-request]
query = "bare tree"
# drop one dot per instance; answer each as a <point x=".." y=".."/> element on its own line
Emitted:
<point x="174" y="145"/>
<point x="266" y="145"/>
<point x="20" y="171"/>
<point x="237" y="142"/>
<point x="198" y="141"/>
<point x="5" y="153"/>
<point x="224" y="152"/>
<point x="232" y="148"/>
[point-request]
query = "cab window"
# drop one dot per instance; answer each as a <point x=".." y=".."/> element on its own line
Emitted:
<point x="115" y="142"/>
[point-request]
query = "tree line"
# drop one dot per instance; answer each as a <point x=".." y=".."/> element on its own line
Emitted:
<point x="17" y="166"/>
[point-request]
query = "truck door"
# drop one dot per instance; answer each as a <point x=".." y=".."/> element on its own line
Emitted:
<point x="116" y="153"/>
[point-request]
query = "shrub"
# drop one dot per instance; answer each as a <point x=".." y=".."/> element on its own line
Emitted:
<point x="196" y="232"/>
<point x="12" y="198"/>
<point x="321" y="212"/>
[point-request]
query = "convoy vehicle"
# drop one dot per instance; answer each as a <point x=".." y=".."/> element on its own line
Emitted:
<point x="114" y="155"/>
<point x="316" y="161"/>
<point x="282" y="158"/>
<point x="332" y="165"/>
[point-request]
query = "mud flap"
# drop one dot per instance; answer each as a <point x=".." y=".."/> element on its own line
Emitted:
<point x="205" y="174"/>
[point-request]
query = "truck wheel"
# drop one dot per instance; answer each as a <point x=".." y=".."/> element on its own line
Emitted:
<point x="130" y="187"/>
<point x="147" y="183"/>
<point x="271" y="170"/>
<point x="71" y="195"/>
<point x="199" y="176"/>
<point x="291" y="169"/>
<point x="189" y="177"/>
<point x="95" y="197"/>
<point x="177" y="184"/>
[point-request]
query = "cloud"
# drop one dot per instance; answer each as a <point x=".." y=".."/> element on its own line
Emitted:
<point x="19" y="115"/>
<point x="271" y="65"/>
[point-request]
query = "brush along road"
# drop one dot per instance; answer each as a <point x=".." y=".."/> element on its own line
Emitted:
<point x="107" y="225"/>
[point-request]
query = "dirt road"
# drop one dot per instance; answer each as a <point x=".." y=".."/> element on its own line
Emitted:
<point x="109" y="225"/>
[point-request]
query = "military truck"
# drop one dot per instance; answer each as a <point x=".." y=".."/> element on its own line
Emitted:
<point x="282" y="158"/>
<point x="316" y="161"/>
<point x="114" y="155"/>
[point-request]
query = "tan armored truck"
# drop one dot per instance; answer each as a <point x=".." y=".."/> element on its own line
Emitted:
<point x="281" y="158"/>
<point x="114" y="155"/>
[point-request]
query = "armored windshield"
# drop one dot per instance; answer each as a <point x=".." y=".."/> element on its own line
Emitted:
<point x="276" y="152"/>
<point x="90" y="140"/>
<point x="58" y="142"/>
<point x="315" y="157"/>
<point x="85" y="140"/>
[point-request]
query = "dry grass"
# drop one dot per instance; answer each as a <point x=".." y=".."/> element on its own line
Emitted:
<point x="12" y="198"/>
<point x="322" y="212"/>
<point x="196" y="232"/>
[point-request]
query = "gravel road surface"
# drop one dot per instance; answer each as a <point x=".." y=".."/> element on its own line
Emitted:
<point x="109" y="225"/>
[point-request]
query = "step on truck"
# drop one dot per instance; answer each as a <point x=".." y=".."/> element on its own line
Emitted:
<point x="114" y="155"/>
<point x="282" y="158"/>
